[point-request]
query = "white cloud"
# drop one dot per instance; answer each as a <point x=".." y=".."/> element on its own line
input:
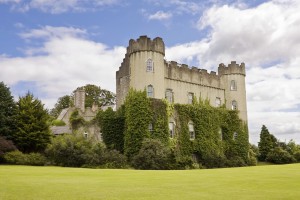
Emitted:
<point x="68" y="61"/>
<point x="59" y="6"/>
<point x="267" y="39"/>
<point x="160" y="15"/>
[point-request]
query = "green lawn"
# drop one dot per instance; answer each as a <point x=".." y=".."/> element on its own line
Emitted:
<point x="261" y="182"/>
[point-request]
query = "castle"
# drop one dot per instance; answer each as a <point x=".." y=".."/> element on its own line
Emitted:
<point x="144" y="67"/>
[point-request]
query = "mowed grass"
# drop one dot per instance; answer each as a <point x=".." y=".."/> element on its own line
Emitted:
<point x="261" y="182"/>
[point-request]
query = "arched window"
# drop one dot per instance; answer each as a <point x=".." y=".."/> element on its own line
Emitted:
<point x="150" y="91"/>
<point x="191" y="131"/>
<point x="149" y="64"/>
<point x="221" y="134"/>
<point x="232" y="85"/>
<point x="235" y="134"/>
<point x="169" y="95"/>
<point x="172" y="129"/>
<point x="234" y="105"/>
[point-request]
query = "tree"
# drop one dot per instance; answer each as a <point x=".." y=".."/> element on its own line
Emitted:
<point x="266" y="144"/>
<point x="8" y="111"/>
<point x="62" y="103"/>
<point x="33" y="133"/>
<point x="94" y="94"/>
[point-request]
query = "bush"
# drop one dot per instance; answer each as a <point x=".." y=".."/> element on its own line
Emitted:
<point x="5" y="146"/>
<point x="70" y="150"/>
<point x="297" y="156"/>
<point x="57" y="122"/>
<point x="280" y="156"/>
<point x="18" y="158"/>
<point x="152" y="155"/>
<point x="235" y="162"/>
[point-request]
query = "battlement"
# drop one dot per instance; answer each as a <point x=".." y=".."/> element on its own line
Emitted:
<point x="232" y="68"/>
<point x="143" y="43"/>
<point x="183" y="72"/>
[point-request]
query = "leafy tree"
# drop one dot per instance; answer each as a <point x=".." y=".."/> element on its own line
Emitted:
<point x="94" y="94"/>
<point x="266" y="144"/>
<point x="33" y="132"/>
<point x="62" y="103"/>
<point x="7" y="112"/>
<point x="76" y="120"/>
<point x="5" y="146"/>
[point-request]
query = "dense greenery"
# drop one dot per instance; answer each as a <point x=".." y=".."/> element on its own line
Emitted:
<point x="137" y="120"/>
<point x="274" y="151"/>
<point x="5" y="146"/>
<point x="8" y="112"/>
<point x="74" y="150"/>
<point x="32" y="134"/>
<point x="112" y="128"/>
<point x="62" y="103"/>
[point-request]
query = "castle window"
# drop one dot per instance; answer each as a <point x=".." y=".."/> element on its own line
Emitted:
<point x="221" y="134"/>
<point x="149" y="64"/>
<point x="218" y="101"/>
<point x="234" y="105"/>
<point x="190" y="97"/>
<point x="150" y="127"/>
<point x="150" y="91"/>
<point x="191" y="131"/>
<point x="232" y="85"/>
<point x="85" y="134"/>
<point x="169" y="95"/>
<point x="235" y="135"/>
<point x="172" y="129"/>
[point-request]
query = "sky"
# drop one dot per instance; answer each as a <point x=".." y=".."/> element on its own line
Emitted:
<point x="51" y="47"/>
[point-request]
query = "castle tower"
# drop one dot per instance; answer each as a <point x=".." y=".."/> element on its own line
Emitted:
<point x="79" y="99"/>
<point x="233" y="81"/>
<point x="142" y="68"/>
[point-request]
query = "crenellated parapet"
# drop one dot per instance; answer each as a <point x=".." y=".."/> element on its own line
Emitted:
<point x="143" y="43"/>
<point x="232" y="68"/>
<point x="183" y="72"/>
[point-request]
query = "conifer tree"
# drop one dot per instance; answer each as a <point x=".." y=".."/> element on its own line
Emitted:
<point x="266" y="144"/>
<point x="33" y="132"/>
<point x="7" y="112"/>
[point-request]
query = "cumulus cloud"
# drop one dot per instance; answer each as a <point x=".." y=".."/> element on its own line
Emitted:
<point x="160" y="15"/>
<point x="69" y="60"/>
<point x="267" y="39"/>
<point x="58" y="6"/>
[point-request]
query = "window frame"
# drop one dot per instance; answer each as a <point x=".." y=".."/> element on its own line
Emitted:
<point x="233" y="86"/>
<point x="191" y="131"/>
<point x="234" y="105"/>
<point x="190" y="97"/>
<point x="150" y="92"/>
<point x="149" y="65"/>
<point x="169" y="97"/>
<point x="172" y="130"/>
<point x="219" y="100"/>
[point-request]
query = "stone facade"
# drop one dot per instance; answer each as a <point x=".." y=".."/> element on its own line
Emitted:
<point x="144" y="67"/>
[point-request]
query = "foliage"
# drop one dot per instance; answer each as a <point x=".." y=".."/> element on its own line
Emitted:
<point x="70" y="150"/>
<point x="253" y="154"/>
<point x="5" y="146"/>
<point x="152" y="155"/>
<point x="19" y="158"/>
<point x="7" y="112"/>
<point x="57" y="122"/>
<point x="266" y="144"/>
<point x="112" y="128"/>
<point x="33" y="132"/>
<point x="76" y="121"/>
<point x="137" y="120"/>
<point x="94" y="94"/>
<point x="62" y="103"/>
<point x="280" y="156"/>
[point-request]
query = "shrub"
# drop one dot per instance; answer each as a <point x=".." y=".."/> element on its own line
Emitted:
<point x="19" y="158"/>
<point x="235" y="162"/>
<point x="57" y="122"/>
<point x="152" y="155"/>
<point x="280" y="156"/>
<point x="70" y="150"/>
<point x="5" y="146"/>
<point x="297" y="156"/>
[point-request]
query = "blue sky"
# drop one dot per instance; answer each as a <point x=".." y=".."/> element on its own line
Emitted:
<point x="50" y="47"/>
